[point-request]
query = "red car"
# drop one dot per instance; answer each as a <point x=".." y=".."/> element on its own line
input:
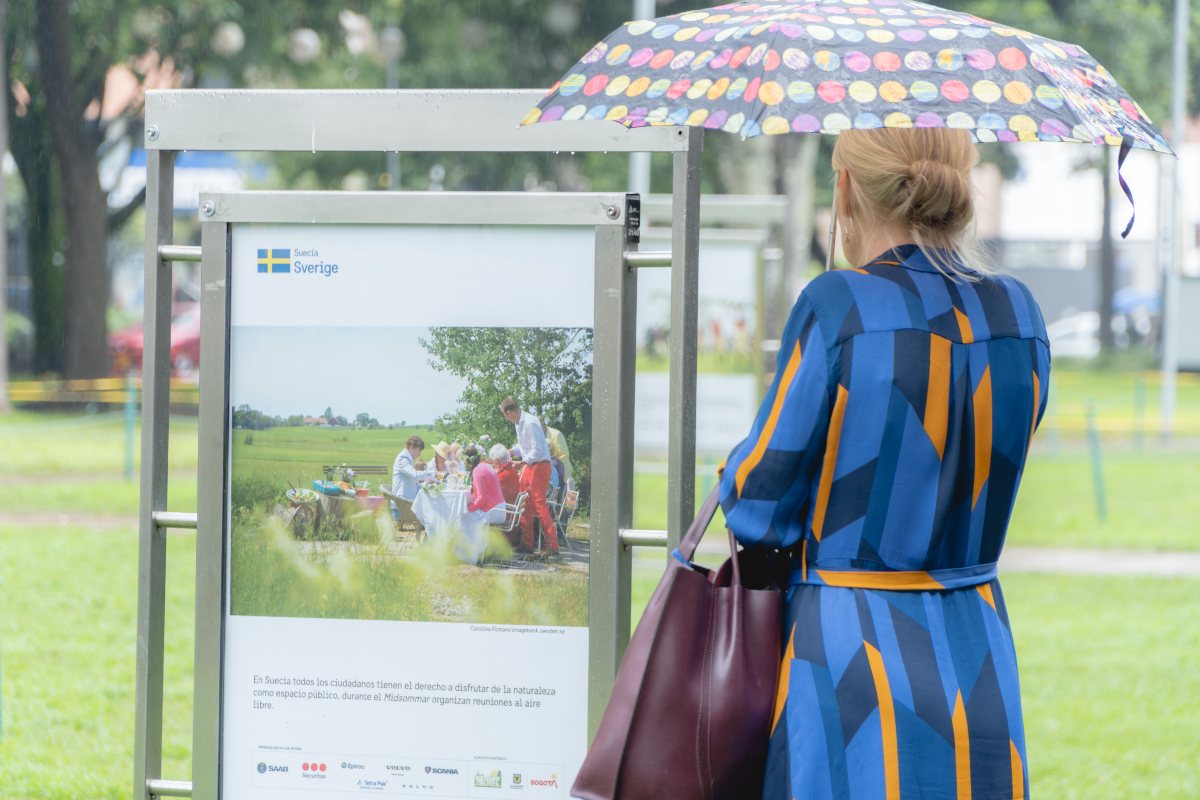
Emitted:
<point x="125" y="345"/>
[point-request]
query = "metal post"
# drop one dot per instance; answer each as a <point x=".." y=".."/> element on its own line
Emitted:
<point x="685" y="282"/>
<point x="1097" y="462"/>
<point x="639" y="163"/>
<point x="152" y="544"/>
<point x="1174" y="256"/>
<point x="210" y="511"/>
<point x="1139" y="410"/>
<point x="612" y="478"/>
<point x="130" y="422"/>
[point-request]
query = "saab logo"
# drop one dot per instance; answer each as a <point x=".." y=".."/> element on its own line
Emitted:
<point x="262" y="767"/>
<point x="275" y="260"/>
<point x="552" y="781"/>
<point x="490" y="780"/>
<point x="265" y="767"/>
<point x="441" y="770"/>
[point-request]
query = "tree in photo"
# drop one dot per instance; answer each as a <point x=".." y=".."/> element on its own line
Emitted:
<point x="548" y="370"/>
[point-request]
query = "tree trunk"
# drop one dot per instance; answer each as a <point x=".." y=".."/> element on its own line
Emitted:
<point x="3" y="217"/>
<point x="1108" y="262"/>
<point x="43" y="225"/>
<point x="84" y="201"/>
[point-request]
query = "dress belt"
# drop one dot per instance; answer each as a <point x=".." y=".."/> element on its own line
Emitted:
<point x="814" y="574"/>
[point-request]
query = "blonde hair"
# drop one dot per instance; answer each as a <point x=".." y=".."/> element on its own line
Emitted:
<point x="920" y="179"/>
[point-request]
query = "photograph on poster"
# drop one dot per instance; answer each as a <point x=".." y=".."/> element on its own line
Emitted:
<point x="375" y="475"/>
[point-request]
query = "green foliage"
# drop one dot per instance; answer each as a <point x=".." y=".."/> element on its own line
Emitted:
<point x="548" y="371"/>
<point x="1131" y="38"/>
<point x="249" y="490"/>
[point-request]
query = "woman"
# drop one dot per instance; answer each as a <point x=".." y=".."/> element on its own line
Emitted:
<point x="885" y="459"/>
<point x="487" y="498"/>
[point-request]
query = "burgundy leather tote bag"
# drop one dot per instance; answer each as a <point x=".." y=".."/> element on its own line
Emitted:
<point x="690" y="713"/>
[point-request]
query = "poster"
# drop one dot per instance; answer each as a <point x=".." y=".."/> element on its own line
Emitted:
<point x="391" y="629"/>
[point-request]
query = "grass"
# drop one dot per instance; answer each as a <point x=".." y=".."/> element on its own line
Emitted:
<point x="272" y="576"/>
<point x="68" y="624"/>
<point x="1151" y="499"/>
<point x="82" y="445"/>
<point x="297" y="454"/>
<point x="1056" y="505"/>
<point x="1125" y="401"/>
<point x="1110" y="685"/>
<point x="1109" y="674"/>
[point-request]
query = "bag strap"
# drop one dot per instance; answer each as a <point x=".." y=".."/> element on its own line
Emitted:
<point x="691" y="539"/>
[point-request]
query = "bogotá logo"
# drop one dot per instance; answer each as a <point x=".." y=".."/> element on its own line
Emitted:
<point x="275" y="259"/>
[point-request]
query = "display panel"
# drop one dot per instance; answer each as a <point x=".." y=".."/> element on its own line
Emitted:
<point x="395" y="626"/>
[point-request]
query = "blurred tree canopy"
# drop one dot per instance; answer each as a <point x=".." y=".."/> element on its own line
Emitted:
<point x="62" y="54"/>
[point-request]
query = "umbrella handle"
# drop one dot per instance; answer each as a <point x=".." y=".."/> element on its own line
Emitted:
<point x="832" y="230"/>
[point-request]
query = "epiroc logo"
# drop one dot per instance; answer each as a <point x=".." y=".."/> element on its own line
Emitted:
<point x="275" y="259"/>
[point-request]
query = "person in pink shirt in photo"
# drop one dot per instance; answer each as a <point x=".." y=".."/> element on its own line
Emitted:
<point x="486" y="495"/>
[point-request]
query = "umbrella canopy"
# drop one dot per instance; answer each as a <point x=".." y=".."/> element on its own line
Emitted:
<point x="831" y="65"/>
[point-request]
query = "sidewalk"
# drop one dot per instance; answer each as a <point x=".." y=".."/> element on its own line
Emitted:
<point x="1081" y="561"/>
<point x="1064" y="560"/>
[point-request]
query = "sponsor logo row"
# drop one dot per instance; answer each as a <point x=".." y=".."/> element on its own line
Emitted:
<point x="410" y="777"/>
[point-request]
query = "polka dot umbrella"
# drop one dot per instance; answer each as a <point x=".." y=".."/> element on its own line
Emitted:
<point x="831" y="65"/>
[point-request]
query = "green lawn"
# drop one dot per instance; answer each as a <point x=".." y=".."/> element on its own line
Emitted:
<point x="1125" y="401"/>
<point x="1111" y="695"/>
<point x="1152" y="498"/>
<point x="1109" y="665"/>
<point x="68" y="630"/>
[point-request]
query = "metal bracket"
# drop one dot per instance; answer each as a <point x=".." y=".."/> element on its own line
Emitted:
<point x="648" y="258"/>
<point x="634" y="537"/>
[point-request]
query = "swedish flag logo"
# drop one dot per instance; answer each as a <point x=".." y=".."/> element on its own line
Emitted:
<point x="275" y="260"/>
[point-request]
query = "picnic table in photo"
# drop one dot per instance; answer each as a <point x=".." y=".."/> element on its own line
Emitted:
<point x="441" y="508"/>
<point x="443" y="512"/>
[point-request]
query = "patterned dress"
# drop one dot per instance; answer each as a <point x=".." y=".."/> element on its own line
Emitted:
<point x="887" y="455"/>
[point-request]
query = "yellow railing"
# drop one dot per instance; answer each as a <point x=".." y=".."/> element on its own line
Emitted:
<point x="111" y="391"/>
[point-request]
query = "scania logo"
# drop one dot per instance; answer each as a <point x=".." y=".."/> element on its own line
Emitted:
<point x="441" y="770"/>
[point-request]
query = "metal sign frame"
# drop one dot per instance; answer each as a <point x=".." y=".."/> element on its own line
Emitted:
<point x="613" y="366"/>
<point x="384" y="121"/>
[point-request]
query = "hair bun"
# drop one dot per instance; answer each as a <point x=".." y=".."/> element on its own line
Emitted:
<point x="933" y="195"/>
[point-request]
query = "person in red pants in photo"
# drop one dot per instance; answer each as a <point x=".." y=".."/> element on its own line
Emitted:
<point x="535" y="477"/>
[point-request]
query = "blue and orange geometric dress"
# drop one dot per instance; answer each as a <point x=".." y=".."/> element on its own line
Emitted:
<point x="886" y="456"/>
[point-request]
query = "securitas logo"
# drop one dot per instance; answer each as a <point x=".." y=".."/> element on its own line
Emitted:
<point x="295" y="261"/>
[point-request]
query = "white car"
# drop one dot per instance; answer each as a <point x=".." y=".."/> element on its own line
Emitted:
<point x="1075" y="336"/>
